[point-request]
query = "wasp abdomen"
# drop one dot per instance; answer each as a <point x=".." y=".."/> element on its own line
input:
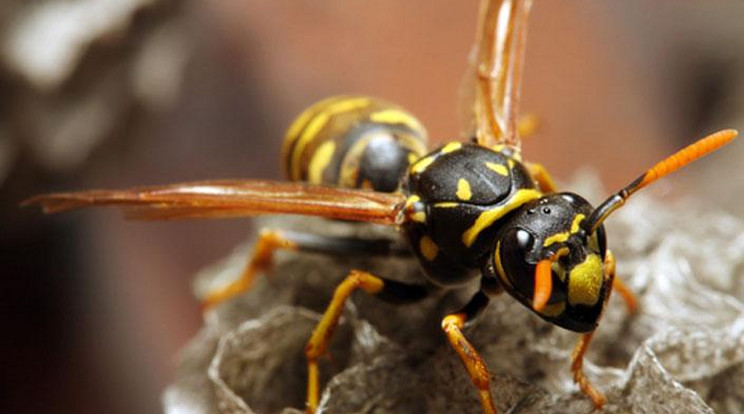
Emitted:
<point x="458" y="197"/>
<point x="353" y="142"/>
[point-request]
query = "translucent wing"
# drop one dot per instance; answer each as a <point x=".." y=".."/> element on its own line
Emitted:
<point x="491" y="88"/>
<point x="234" y="198"/>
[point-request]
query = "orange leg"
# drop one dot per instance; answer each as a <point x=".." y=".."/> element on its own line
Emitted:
<point x="630" y="300"/>
<point x="577" y="363"/>
<point x="542" y="177"/>
<point x="475" y="365"/>
<point x="269" y="240"/>
<point x="395" y="292"/>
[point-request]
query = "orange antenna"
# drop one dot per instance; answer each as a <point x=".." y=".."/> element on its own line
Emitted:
<point x="667" y="166"/>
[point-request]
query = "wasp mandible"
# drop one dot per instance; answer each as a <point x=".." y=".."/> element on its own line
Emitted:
<point x="468" y="210"/>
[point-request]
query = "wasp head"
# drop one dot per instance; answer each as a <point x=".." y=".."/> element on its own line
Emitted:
<point x="548" y="242"/>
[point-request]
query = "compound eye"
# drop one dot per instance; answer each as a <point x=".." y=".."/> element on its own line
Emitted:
<point x="516" y="249"/>
<point x="524" y="240"/>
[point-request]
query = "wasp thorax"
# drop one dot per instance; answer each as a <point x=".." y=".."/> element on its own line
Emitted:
<point x="554" y="228"/>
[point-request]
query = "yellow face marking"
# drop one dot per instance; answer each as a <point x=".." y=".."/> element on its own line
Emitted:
<point x="396" y="116"/>
<point x="412" y="158"/>
<point x="576" y="222"/>
<point x="317" y="124"/>
<point x="452" y="146"/>
<point x="563" y="236"/>
<point x="463" y="190"/>
<point x="421" y="165"/>
<point x="428" y="248"/>
<point x="320" y="161"/>
<point x="585" y="281"/>
<point x="556" y="238"/>
<point x="487" y="218"/>
<point x="498" y="168"/>
<point x="554" y="309"/>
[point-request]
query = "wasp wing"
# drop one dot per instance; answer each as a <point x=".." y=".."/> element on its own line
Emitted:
<point x="234" y="198"/>
<point x="490" y="91"/>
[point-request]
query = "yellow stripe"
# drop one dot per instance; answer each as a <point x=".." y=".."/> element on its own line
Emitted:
<point x="421" y="165"/>
<point x="320" y="161"/>
<point x="296" y="127"/>
<point x="500" y="267"/>
<point x="396" y="116"/>
<point x="452" y="146"/>
<point x="487" y="218"/>
<point x="317" y="124"/>
<point x="463" y="190"/>
<point x="498" y="168"/>
<point x="446" y="204"/>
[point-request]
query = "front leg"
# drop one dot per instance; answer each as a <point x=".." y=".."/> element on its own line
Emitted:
<point x="477" y="370"/>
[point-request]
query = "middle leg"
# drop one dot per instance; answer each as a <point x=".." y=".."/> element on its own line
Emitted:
<point x="385" y="289"/>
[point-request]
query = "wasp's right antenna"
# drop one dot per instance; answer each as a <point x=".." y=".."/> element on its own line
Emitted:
<point x="667" y="166"/>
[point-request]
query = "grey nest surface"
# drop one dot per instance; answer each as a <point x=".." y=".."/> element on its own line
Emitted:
<point x="681" y="352"/>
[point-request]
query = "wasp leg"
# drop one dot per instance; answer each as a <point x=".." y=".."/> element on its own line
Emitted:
<point x="628" y="296"/>
<point x="477" y="371"/>
<point x="385" y="289"/>
<point x="542" y="177"/>
<point x="577" y="367"/>
<point x="271" y="240"/>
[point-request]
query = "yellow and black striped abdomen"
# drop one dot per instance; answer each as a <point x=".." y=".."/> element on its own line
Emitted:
<point x="353" y="142"/>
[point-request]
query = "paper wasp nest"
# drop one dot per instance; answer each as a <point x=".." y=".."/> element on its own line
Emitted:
<point x="682" y="352"/>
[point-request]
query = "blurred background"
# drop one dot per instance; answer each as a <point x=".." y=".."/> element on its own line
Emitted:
<point x="111" y="93"/>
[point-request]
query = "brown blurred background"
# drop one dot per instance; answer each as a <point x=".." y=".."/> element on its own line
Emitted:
<point x="106" y="94"/>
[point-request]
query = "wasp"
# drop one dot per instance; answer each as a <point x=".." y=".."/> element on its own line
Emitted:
<point x="467" y="210"/>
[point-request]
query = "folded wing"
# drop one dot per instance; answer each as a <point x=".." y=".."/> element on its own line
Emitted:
<point x="234" y="198"/>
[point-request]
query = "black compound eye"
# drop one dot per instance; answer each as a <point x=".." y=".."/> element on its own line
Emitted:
<point x="516" y="247"/>
<point x="524" y="240"/>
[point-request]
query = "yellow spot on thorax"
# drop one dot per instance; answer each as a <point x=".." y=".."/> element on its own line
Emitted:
<point x="320" y="161"/>
<point x="428" y="248"/>
<point x="412" y="158"/>
<point x="463" y="190"/>
<point x="417" y="216"/>
<point x="487" y="218"/>
<point x="498" y="168"/>
<point x="585" y="281"/>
